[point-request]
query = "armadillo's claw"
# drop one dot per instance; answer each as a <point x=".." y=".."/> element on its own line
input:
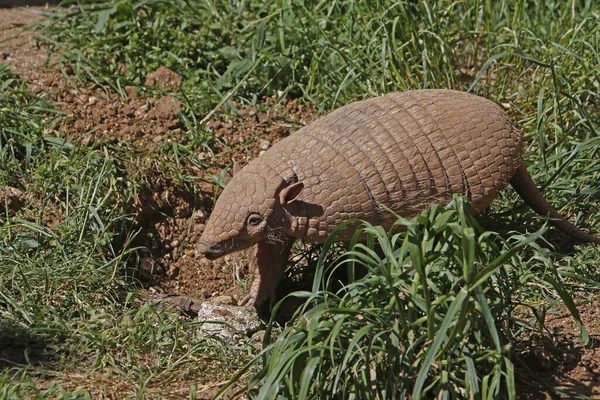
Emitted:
<point x="248" y="300"/>
<point x="263" y="306"/>
<point x="258" y="296"/>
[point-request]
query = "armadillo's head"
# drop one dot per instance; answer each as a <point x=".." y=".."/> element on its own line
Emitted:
<point x="250" y="207"/>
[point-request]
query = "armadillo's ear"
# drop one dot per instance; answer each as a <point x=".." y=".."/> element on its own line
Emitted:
<point x="290" y="193"/>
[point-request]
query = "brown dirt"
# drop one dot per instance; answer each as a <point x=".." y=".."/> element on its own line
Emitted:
<point x="172" y="217"/>
<point x="164" y="77"/>
<point x="11" y="198"/>
<point x="560" y="358"/>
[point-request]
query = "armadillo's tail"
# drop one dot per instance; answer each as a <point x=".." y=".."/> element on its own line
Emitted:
<point x="527" y="189"/>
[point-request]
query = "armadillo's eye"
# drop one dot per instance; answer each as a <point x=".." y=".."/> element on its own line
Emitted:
<point x="254" y="219"/>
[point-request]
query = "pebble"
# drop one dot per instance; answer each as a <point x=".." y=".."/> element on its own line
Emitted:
<point x="264" y="144"/>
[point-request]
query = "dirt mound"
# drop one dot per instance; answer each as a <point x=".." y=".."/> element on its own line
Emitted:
<point x="165" y="78"/>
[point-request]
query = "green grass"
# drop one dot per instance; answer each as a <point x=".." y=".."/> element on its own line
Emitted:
<point x="432" y="316"/>
<point x="437" y="314"/>
<point x="69" y="299"/>
<point x="330" y="52"/>
<point x="421" y="319"/>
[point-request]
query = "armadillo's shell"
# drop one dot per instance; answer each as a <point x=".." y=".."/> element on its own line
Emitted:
<point x="405" y="151"/>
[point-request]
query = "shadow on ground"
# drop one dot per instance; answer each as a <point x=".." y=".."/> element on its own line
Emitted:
<point x="559" y="367"/>
<point x="20" y="346"/>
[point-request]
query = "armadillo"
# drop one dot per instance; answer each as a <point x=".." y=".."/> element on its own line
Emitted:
<point x="401" y="152"/>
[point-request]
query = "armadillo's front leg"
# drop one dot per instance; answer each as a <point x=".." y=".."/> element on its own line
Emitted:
<point x="271" y="259"/>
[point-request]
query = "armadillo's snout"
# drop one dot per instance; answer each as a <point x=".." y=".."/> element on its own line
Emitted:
<point x="207" y="250"/>
<point x="212" y="251"/>
<point x="202" y="247"/>
<point x="212" y="254"/>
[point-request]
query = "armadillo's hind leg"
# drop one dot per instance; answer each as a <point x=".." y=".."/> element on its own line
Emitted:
<point x="271" y="259"/>
<point x="528" y="190"/>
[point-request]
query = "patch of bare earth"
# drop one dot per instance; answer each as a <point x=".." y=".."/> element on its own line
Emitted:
<point x="171" y="216"/>
<point x="16" y="46"/>
<point x="560" y="358"/>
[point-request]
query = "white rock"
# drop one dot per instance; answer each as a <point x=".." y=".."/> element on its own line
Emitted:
<point x="230" y="323"/>
<point x="264" y="144"/>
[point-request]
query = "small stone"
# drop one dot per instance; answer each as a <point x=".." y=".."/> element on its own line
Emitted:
<point x="264" y="144"/>
<point x="175" y="243"/>
<point x="157" y="139"/>
<point x="92" y="100"/>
